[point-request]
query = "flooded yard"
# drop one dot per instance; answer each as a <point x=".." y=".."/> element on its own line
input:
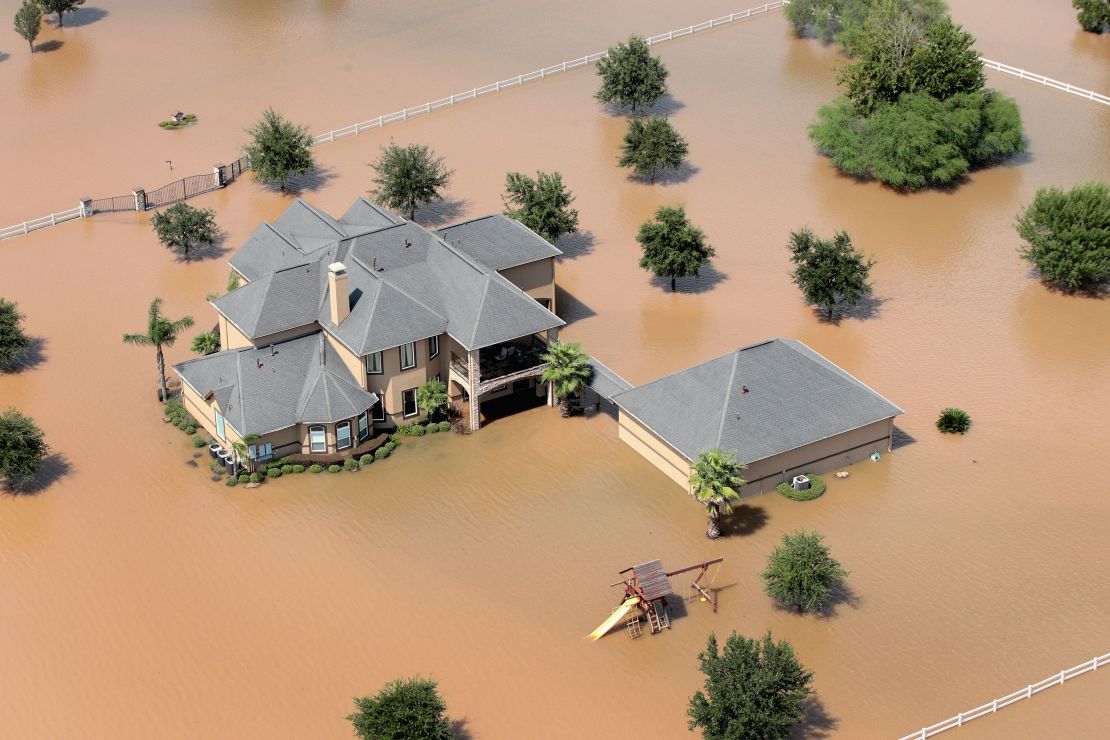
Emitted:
<point x="141" y="598"/>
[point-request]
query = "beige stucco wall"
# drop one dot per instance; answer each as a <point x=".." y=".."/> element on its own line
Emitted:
<point x="393" y="381"/>
<point x="763" y="475"/>
<point x="230" y="336"/>
<point x="537" y="279"/>
<point x="353" y="362"/>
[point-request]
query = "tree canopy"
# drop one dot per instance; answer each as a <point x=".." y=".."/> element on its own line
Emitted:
<point x="829" y="272"/>
<point x="542" y="204"/>
<point x="672" y="246"/>
<point x="408" y="176"/>
<point x="22" y="447"/>
<point x="28" y="22"/>
<point x="160" y="332"/>
<point x="205" y="343"/>
<point x="406" y="709"/>
<point x="801" y="573"/>
<point x="844" y="20"/>
<point x="652" y="144"/>
<point x="431" y="398"/>
<point x="181" y="226"/>
<point x="630" y="76"/>
<point x="60" y="7"/>
<point x="568" y="370"/>
<point x="754" y="690"/>
<point x="13" y="341"/>
<point x="279" y="149"/>
<point x="1067" y="236"/>
<point x="715" y="481"/>
<point x="1094" y="15"/>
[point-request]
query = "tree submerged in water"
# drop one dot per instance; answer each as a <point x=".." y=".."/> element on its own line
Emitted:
<point x="406" y="709"/>
<point x="1094" y="15"/>
<point x="652" y="144"/>
<point x="1068" y="236"/>
<point x="279" y="149"/>
<point x="630" y="76"/>
<point x="672" y="246"/>
<point x="13" y="340"/>
<point x="715" y="482"/>
<point x="22" y="447"/>
<point x="28" y="22"/>
<point x="60" y="7"/>
<point x="568" y="371"/>
<point x="954" y="421"/>
<point x="181" y="226"/>
<point x="408" y="176"/>
<point x="801" y="573"/>
<point x="160" y="332"/>
<point x="829" y="272"/>
<point x="542" y="204"/>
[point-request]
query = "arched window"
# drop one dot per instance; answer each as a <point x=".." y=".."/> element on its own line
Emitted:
<point x="317" y="439"/>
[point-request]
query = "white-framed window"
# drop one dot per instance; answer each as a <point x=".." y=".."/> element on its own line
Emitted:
<point x="408" y="355"/>
<point x="317" y="439"/>
<point x="408" y="403"/>
<point x="433" y="347"/>
<point x="363" y="426"/>
<point x="260" y="452"/>
<point x="377" y="411"/>
<point x="342" y="435"/>
<point x="221" y="430"/>
<point x="374" y="363"/>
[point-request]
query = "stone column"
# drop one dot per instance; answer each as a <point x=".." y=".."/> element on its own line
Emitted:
<point x="473" y="380"/>
<point x="218" y="175"/>
<point x="552" y="336"/>
<point x="140" y="199"/>
<point x="86" y="207"/>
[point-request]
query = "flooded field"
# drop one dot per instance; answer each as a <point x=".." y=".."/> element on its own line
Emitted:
<point x="141" y="599"/>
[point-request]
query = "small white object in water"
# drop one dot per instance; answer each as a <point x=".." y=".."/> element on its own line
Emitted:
<point x="842" y="474"/>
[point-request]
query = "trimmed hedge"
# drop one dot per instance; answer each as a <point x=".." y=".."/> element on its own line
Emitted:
<point x="382" y="452"/>
<point x="244" y="478"/>
<point x="314" y="468"/>
<point x="298" y="468"/>
<point x="256" y="477"/>
<point x="366" y="460"/>
<point x="334" y="468"/>
<point x="816" y="488"/>
<point x="274" y="472"/>
<point x="444" y="426"/>
<point x="199" y="442"/>
<point x="286" y="468"/>
<point x="350" y="464"/>
<point x="230" y="481"/>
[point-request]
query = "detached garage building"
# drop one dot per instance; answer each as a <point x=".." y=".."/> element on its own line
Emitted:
<point x="780" y="406"/>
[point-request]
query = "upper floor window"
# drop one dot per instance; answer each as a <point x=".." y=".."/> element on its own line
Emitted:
<point x="317" y="439"/>
<point x="408" y="355"/>
<point x="433" y="347"/>
<point x="343" y="435"/>
<point x="374" y="363"/>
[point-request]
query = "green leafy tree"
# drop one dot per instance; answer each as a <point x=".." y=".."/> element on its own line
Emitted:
<point x="232" y="281"/>
<point x="206" y="343"/>
<point x="60" y="7"/>
<point x="1094" y="15"/>
<point x="801" y="573"/>
<point x="672" y="246"/>
<point x="160" y="332"/>
<point x="846" y="20"/>
<point x="715" y="481"/>
<point x="22" y="447"/>
<point x="28" y="22"/>
<point x="652" y="144"/>
<point x="279" y="149"/>
<point x="542" y="204"/>
<point x="408" y="176"/>
<point x="829" y="272"/>
<point x="13" y="341"/>
<point x="431" y="398"/>
<point x="630" y="76"/>
<point x="181" y="226"/>
<point x="568" y="370"/>
<point x="754" y="690"/>
<point x="406" y="709"/>
<point x="1068" y="236"/>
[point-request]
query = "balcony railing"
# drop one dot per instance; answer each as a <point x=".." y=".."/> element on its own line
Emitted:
<point x="503" y="360"/>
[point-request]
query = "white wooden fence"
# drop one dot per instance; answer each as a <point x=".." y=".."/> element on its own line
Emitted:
<point x="1004" y="701"/>
<point x="539" y="74"/>
<point x="27" y="227"/>
<point x="1047" y="81"/>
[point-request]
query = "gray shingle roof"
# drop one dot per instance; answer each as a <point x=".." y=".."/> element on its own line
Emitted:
<point x="498" y="241"/>
<point x="398" y="293"/>
<point x="794" y="397"/>
<point x="302" y="381"/>
<point x="605" y="382"/>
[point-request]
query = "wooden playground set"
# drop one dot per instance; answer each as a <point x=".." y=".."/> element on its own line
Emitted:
<point x="646" y="588"/>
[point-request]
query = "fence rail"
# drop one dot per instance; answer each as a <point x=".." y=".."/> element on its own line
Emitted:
<point x="1046" y="81"/>
<point x="27" y="227"/>
<point x="1015" y="696"/>
<point x="117" y="203"/>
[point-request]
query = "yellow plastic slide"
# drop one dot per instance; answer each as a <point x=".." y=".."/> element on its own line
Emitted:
<point x="615" y="617"/>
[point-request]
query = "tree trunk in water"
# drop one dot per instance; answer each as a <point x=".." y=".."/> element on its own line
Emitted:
<point x="162" y="374"/>
<point x="672" y="283"/>
<point x="830" y="312"/>
<point x="714" y="530"/>
<point x="59" y="20"/>
<point x="564" y="407"/>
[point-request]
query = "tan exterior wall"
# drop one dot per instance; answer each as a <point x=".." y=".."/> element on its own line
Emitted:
<point x="231" y="337"/>
<point x="537" y="279"/>
<point x="763" y="475"/>
<point x="353" y="362"/>
<point x="393" y="381"/>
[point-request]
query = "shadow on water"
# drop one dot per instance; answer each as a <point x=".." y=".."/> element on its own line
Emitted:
<point x="206" y="251"/>
<point x="816" y="722"/>
<point x="84" y="17"/>
<point x="32" y="357"/>
<point x="48" y="46"/>
<point x="569" y="308"/>
<point x="901" y="438"/>
<point x="4" y="55"/>
<point x="869" y="307"/>
<point x="309" y="181"/>
<point x="706" y="280"/>
<point x="841" y="595"/>
<point x="665" y="177"/>
<point x="459" y="730"/>
<point x="441" y="212"/>
<point x="53" y="468"/>
<point x="576" y="245"/>
<point x="745" y="519"/>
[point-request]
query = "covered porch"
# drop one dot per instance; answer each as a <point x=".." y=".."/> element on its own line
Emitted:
<point x="507" y="368"/>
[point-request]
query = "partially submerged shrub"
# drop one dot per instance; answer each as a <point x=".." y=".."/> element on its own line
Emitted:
<point x="350" y="464"/>
<point x="816" y="488"/>
<point x="382" y="452"/>
<point x="314" y="468"/>
<point x="334" y="468"/>
<point x="801" y="573"/>
<point x="954" y="421"/>
<point x="445" y="426"/>
<point x="199" y="442"/>
<point x="231" y="481"/>
<point x="298" y="468"/>
<point x="366" y="460"/>
<point x="256" y="477"/>
<point x="216" y="467"/>
<point x="287" y="468"/>
<point x="244" y="478"/>
<point x="274" y="472"/>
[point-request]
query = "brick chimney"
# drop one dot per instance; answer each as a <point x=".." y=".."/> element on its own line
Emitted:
<point x="339" y="294"/>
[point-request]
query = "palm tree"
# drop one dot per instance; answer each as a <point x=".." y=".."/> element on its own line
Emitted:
<point x="431" y="398"/>
<point x="160" y="332"/>
<point x="713" y="481"/>
<point x="241" y="450"/>
<point x="206" y="343"/>
<point x="568" y="370"/>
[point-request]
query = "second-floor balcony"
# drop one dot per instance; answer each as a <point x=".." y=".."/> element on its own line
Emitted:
<point x="506" y="360"/>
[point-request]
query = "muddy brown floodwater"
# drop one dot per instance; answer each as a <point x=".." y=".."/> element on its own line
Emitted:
<point x="140" y="599"/>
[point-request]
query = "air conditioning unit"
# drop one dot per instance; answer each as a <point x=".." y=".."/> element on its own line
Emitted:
<point x="801" y="483"/>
